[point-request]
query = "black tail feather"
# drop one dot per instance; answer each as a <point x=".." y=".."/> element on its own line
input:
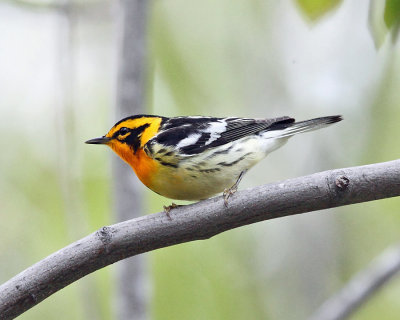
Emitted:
<point x="289" y="129"/>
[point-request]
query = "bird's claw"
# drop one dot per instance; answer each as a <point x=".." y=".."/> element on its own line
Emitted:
<point x="227" y="193"/>
<point x="167" y="209"/>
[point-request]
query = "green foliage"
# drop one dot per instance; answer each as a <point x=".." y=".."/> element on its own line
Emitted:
<point x="384" y="16"/>
<point x="315" y="9"/>
<point x="392" y="13"/>
<point x="392" y="17"/>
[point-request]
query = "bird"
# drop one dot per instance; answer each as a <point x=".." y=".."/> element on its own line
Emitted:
<point x="196" y="157"/>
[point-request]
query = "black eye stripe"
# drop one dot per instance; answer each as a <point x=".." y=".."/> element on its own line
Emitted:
<point x="130" y="137"/>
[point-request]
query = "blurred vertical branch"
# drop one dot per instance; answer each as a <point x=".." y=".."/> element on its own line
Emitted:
<point x="130" y="96"/>
<point x="65" y="115"/>
<point x="68" y="159"/>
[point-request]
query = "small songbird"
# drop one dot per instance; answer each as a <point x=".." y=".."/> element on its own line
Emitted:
<point x="194" y="158"/>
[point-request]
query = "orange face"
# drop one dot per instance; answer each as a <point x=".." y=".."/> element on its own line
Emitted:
<point x="127" y="138"/>
<point x="152" y="125"/>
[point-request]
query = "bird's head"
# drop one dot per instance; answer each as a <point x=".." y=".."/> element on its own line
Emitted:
<point x="129" y="135"/>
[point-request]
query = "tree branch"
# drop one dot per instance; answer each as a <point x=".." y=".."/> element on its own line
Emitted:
<point x="198" y="221"/>
<point x="361" y="287"/>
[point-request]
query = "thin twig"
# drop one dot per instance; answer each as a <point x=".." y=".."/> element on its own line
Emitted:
<point x="361" y="287"/>
<point x="202" y="220"/>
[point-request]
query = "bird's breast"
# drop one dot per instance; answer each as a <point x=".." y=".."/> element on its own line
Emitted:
<point x="145" y="167"/>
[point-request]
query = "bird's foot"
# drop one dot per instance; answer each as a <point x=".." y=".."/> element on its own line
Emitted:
<point x="228" y="192"/>
<point x="167" y="209"/>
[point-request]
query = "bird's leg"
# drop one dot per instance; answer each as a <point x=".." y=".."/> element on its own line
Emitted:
<point x="167" y="209"/>
<point x="230" y="191"/>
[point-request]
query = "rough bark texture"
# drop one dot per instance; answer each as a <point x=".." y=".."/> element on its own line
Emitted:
<point x="131" y="293"/>
<point x="194" y="222"/>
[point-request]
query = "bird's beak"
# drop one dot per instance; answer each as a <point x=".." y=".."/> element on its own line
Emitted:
<point x="101" y="140"/>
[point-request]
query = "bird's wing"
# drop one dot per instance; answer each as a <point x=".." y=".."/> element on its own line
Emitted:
<point x="188" y="136"/>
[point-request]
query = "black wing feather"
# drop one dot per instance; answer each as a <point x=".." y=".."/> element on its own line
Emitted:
<point x="175" y="130"/>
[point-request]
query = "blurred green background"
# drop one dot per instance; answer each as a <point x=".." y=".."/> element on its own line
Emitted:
<point x="260" y="58"/>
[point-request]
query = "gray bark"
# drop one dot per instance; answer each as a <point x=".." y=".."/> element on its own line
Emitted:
<point x="131" y="293"/>
<point x="195" y="222"/>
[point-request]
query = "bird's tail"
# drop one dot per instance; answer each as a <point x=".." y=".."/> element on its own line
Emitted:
<point x="289" y="129"/>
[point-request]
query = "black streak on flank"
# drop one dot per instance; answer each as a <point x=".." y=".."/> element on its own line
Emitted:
<point x="169" y="164"/>
<point x="211" y="170"/>
<point x="226" y="164"/>
<point x="224" y="151"/>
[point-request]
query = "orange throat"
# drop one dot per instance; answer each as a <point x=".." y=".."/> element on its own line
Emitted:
<point x="143" y="165"/>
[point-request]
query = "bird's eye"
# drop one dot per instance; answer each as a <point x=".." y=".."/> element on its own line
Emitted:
<point x="123" y="131"/>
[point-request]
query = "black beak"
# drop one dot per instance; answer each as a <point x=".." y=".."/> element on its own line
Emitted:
<point x="101" y="140"/>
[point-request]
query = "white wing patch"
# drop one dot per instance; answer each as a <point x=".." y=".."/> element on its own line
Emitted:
<point x="214" y="130"/>
<point x="190" y="140"/>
